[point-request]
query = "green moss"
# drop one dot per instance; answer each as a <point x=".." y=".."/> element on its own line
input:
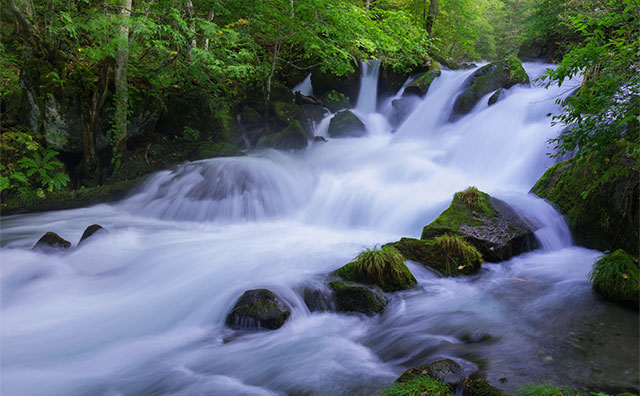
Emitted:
<point x="517" y="74"/>
<point x="384" y="267"/>
<point x="334" y="100"/>
<point x="478" y="386"/>
<point x="467" y="208"/>
<point x="418" y="386"/>
<point x="606" y="218"/>
<point x="293" y="137"/>
<point x="450" y="255"/>
<point x="210" y="150"/>
<point x="616" y="277"/>
<point x="421" y="84"/>
<point x="284" y="111"/>
<point x="547" y="390"/>
<point x="355" y="297"/>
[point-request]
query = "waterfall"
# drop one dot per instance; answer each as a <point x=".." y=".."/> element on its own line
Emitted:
<point x="368" y="95"/>
<point x="141" y="309"/>
<point x="304" y="87"/>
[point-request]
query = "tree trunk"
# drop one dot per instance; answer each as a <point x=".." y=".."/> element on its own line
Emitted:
<point x="90" y="110"/>
<point x="431" y="16"/>
<point x="206" y="40"/>
<point x="120" y="80"/>
<point x="274" y="60"/>
<point x="191" y="14"/>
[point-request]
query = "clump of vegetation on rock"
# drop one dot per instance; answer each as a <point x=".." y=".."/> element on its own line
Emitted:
<point x="457" y="252"/>
<point x="449" y="255"/>
<point x="418" y="386"/>
<point x="616" y="278"/>
<point x="384" y="267"/>
<point x="548" y="390"/>
<point x="355" y="297"/>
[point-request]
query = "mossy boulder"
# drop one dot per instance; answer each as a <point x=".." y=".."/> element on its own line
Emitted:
<point x="51" y="241"/>
<point x="317" y="300"/>
<point x="402" y="108"/>
<point x="449" y="258"/>
<point x="250" y="118"/>
<point x="346" y="124"/>
<point x="495" y="97"/>
<point x="502" y="74"/>
<point x="306" y="114"/>
<point x="382" y="267"/>
<point x="293" y="137"/>
<point x="607" y="217"/>
<point x="284" y="111"/>
<point x="478" y="386"/>
<point x="420" y="85"/>
<point x="356" y="297"/>
<point x="616" y="277"/>
<point x="90" y="231"/>
<point x="347" y="83"/>
<point x="445" y="370"/>
<point x="211" y="150"/>
<point x="334" y="100"/>
<point x="421" y="385"/>
<point x="258" y="309"/>
<point x="487" y="223"/>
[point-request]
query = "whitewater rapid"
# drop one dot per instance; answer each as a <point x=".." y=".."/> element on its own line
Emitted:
<point x="140" y="310"/>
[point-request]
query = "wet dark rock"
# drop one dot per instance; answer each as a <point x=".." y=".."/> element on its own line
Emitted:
<point x="489" y="224"/>
<point x="348" y="83"/>
<point x="403" y="107"/>
<point x="496" y="96"/>
<point x="258" y="309"/>
<point x="420" y="85"/>
<point x="90" y="231"/>
<point x="301" y="99"/>
<point x="477" y="385"/>
<point x="502" y="74"/>
<point x="346" y="124"/>
<point x="320" y="139"/>
<point x="317" y="300"/>
<point x="356" y="297"/>
<point x="445" y="370"/>
<point x="250" y="118"/>
<point x="51" y="241"/>
<point x="335" y="101"/>
<point x="307" y="115"/>
<point x="293" y="137"/>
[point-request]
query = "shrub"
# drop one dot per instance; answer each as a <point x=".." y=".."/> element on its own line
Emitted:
<point x="616" y="277"/>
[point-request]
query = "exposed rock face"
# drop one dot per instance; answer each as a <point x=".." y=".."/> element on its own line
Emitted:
<point x="50" y="242"/>
<point x="489" y="224"/>
<point x="420" y="85"/>
<point x="502" y="74"/>
<point x="608" y="217"/>
<point x="293" y="137"/>
<point x="258" y="309"/>
<point x="445" y="370"/>
<point x="464" y="259"/>
<point x="89" y="231"/>
<point x="616" y="277"/>
<point x="334" y="100"/>
<point x="346" y="124"/>
<point x="355" y="297"/>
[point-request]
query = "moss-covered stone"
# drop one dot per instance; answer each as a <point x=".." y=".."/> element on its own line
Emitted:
<point x="616" y="277"/>
<point x="436" y="256"/>
<point x="356" y="297"/>
<point x="293" y="137"/>
<point x="420" y="85"/>
<point x="478" y="386"/>
<point x="250" y="118"/>
<point x="334" y="100"/>
<point x="382" y="267"/>
<point x="502" y="74"/>
<point x="258" y="309"/>
<point x="346" y="124"/>
<point x="418" y="386"/>
<point x="284" y="111"/>
<point x="445" y="370"/>
<point x="211" y="150"/>
<point x="489" y="224"/>
<point x="608" y="217"/>
<point x="496" y="96"/>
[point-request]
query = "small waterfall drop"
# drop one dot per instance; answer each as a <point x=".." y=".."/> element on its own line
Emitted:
<point x="304" y="87"/>
<point x="368" y="95"/>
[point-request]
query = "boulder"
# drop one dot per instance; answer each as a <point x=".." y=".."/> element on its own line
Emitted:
<point x="382" y="267"/>
<point x="607" y="217"/>
<point x="51" y="241"/>
<point x="390" y="81"/>
<point x="450" y="255"/>
<point x="307" y="115"/>
<point x="420" y="85"/>
<point x="293" y="137"/>
<point x="402" y="108"/>
<point x="258" y="309"/>
<point x="489" y="224"/>
<point x="616" y="277"/>
<point x="334" y="100"/>
<point x="348" y="83"/>
<point x="496" y="96"/>
<point x="418" y="385"/>
<point x="445" y="370"/>
<point x="346" y="124"/>
<point x="301" y="99"/>
<point x="502" y="74"/>
<point x="477" y="385"/>
<point x="317" y="300"/>
<point x="250" y="118"/>
<point x="356" y="297"/>
<point x="89" y="231"/>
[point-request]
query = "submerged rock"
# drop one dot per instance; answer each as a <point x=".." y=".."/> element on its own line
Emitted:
<point x="420" y="85"/>
<point x="402" y="108"/>
<point x="445" y="370"/>
<point x="89" y="231"/>
<point x="450" y="255"/>
<point x="334" y="100"/>
<point x="356" y="297"/>
<point x="346" y="124"/>
<point x="496" y="96"/>
<point x="489" y="224"/>
<point x="51" y="241"/>
<point x="382" y="267"/>
<point x="502" y="74"/>
<point x="616" y="277"/>
<point x="293" y="137"/>
<point x="607" y="217"/>
<point x="258" y="309"/>
<point x="317" y="300"/>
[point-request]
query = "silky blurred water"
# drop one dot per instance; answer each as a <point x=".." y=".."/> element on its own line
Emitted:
<point x="140" y="310"/>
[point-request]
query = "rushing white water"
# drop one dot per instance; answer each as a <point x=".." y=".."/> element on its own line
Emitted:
<point x="368" y="95"/>
<point x="304" y="87"/>
<point x="140" y="310"/>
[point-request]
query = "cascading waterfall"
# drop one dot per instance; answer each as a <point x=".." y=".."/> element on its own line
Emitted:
<point x="305" y="87"/>
<point x="140" y="310"/>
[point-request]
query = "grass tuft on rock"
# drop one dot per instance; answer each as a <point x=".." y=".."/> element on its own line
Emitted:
<point x="547" y="390"/>
<point x="418" y="386"/>
<point x="472" y="197"/>
<point x="384" y="267"/>
<point x="616" y="277"/>
<point x="457" y="252"/>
